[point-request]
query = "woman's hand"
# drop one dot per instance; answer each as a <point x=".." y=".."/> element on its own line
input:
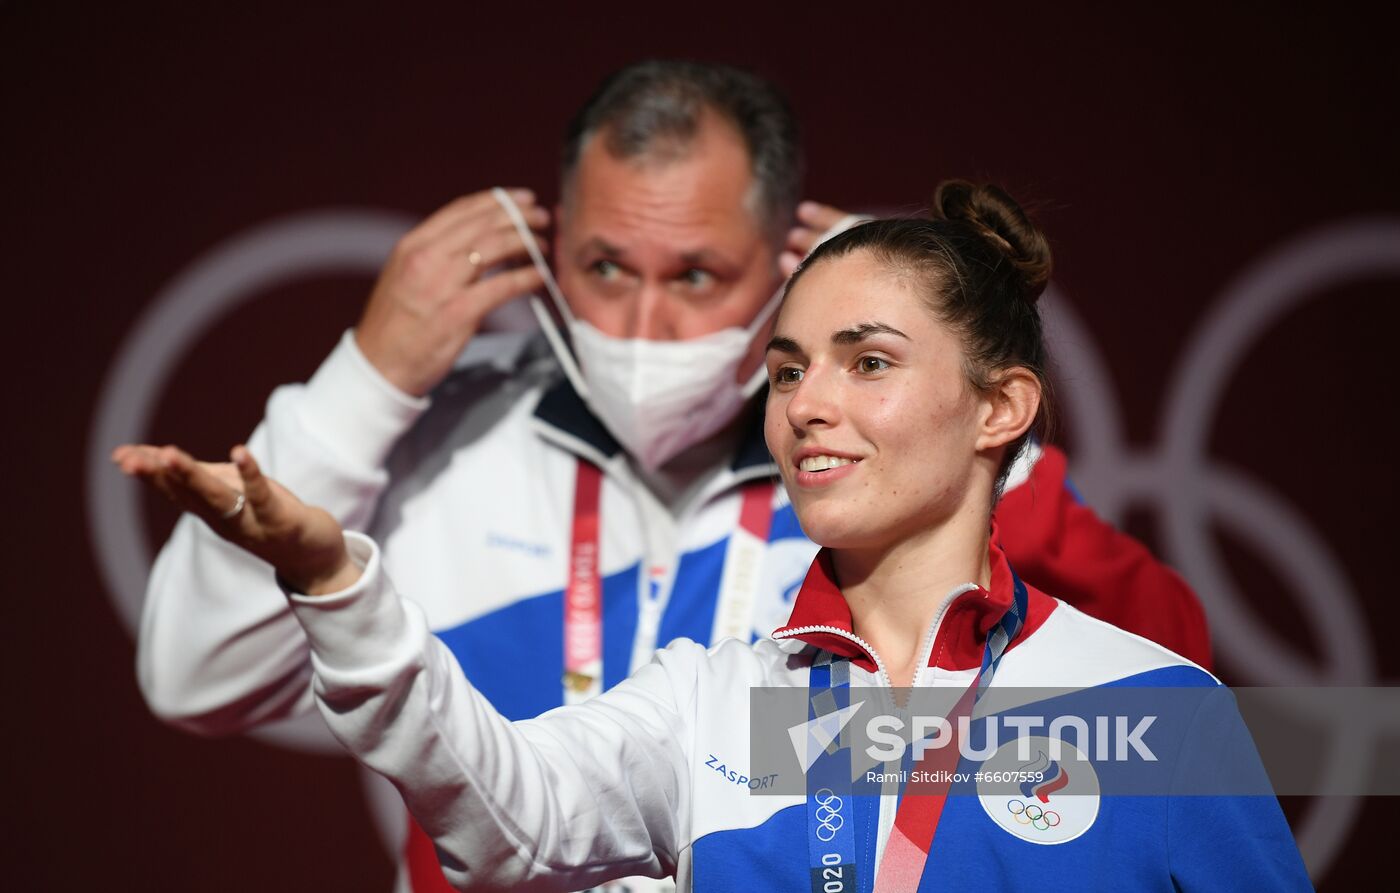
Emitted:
<point x="303" y="543"/>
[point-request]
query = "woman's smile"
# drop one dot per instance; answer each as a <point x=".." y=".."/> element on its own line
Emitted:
<point x="821" y="466"/>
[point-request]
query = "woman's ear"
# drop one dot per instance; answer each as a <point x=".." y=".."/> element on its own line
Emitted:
<point x="1008" y="407"/>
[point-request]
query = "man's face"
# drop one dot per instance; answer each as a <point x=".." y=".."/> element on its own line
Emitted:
<point x="665" y="249"/>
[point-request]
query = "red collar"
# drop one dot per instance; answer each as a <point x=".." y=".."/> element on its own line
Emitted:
<point x="961" y="635"/>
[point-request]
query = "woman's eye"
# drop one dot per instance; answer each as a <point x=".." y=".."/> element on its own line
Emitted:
<point x="788" y="375"/>
<point x="872" y="364"/>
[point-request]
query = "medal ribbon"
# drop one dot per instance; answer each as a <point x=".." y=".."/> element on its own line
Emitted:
<point x="740" y="580"/>
<point x="831" y="827"/>
<point x="921" y="804"/>
<point x="583" y="596"/>
<point x="743" y="565"/>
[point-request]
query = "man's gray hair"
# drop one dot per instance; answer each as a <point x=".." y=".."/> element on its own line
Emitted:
<point x="656" y="106"/>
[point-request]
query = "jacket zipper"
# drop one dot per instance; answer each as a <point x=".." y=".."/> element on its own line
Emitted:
<point x="838" y="631"/>
<point x="924" y="650"/>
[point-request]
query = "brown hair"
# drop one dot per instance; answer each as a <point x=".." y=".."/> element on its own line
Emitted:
<point x="980" y="265"/>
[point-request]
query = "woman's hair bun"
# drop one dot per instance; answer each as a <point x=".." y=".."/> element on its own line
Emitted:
<point x="1001" y="221"/>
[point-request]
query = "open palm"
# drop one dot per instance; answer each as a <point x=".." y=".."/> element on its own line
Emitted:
<point x="303" y="543"/>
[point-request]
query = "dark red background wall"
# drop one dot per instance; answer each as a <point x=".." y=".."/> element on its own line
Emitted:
<point x="1166" y="149"/>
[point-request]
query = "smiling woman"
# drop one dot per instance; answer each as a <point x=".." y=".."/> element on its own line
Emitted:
<point x="906" y="372"/>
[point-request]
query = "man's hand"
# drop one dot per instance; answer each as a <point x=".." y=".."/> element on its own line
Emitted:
<point x="431" y="298"/>
<point x="813" y="222"/>
<point x="256" y="513"/>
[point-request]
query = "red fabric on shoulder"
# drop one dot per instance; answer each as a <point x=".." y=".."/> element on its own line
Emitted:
<point x="1060" y="546"/>
<point x="819" y="602"/>
<point x="972" y="616"/>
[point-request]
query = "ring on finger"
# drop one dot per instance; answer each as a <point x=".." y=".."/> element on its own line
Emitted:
<point x="237" y="507"/>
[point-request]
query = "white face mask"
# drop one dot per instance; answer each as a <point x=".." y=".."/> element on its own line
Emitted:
<point x="656" y="397"/>
<point x="660" y="397"/>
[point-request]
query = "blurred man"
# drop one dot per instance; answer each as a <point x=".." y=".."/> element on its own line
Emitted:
<point x="562" y="510"/>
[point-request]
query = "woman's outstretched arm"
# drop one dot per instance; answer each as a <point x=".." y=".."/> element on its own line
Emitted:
<point x="563" y="802"/>
<point x="578" y="796"/>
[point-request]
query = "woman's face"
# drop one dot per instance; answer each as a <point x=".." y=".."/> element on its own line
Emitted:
<point x="870" y="417"/>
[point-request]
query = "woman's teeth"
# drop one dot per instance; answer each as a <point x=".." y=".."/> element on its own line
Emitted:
<point x="824" y="463"/>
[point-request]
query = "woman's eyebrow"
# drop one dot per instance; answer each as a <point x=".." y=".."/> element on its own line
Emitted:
<point x="856" y="334"/>
<point x="784" y="345"/>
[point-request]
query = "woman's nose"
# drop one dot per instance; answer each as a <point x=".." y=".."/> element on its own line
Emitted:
<point x="813" y="403"/>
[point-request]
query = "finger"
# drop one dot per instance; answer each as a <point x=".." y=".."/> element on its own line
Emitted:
<point x="137" y="459"/>
<point x="147" y="464"/>
<point x="498" y="248"/>
<point x="175" y="490"/>
<point x="819" y="217"/>
<point x="143" y="460"/>
<point x="536" y="217"/>
<point x="483" y="297"/>
<point x="470" y="261"/>
<point x="255" y="486"/>
<point x="202" y="490"/>
<point x="224" y="471"/>
<point x="162" y="478"/>
<point x="815" y="221"/>
<point x="467" y="208"/>
<point x="469" y="234"/>
<point x="788" y="261"/>
<point x="801" y="240"/>
<point x="143" y="463"/>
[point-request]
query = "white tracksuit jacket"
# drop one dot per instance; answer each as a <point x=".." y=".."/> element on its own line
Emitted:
<point x="648" y="778"/>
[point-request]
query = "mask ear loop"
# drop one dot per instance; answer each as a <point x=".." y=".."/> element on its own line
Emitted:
<point x="760" y="375"/>
<point x="841" y="226"/>
<point x="551" y="331"/>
